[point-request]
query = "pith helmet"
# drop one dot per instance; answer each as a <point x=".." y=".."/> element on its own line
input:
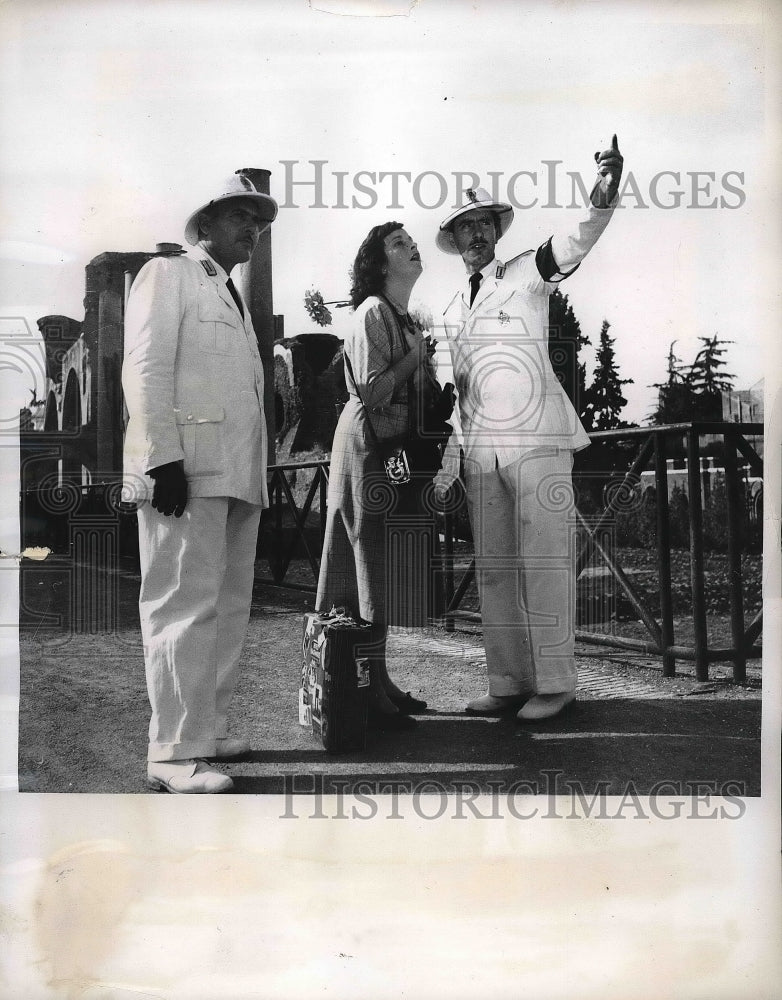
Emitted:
<point x="236" y="186"/>
<point x="476" y="198"/>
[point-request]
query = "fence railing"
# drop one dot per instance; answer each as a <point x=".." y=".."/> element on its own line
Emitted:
<point x="292" y="532"/>
<point x="279" y="540"/>
<point x="653" y="447"/>
<point x="650" y="447"/>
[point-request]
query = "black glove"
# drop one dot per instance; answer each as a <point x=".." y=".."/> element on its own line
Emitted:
<point x="449" y="400"/>
<point x="444" y="406"/>
<point x="170" y="493"/>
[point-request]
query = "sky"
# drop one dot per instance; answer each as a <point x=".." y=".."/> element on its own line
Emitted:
<point x="118" y="119"/>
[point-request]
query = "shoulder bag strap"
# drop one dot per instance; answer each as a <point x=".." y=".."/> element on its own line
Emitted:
<point x="364" y="407"/>
<point x="411" y="398"/>
<point x="410" y="383"/>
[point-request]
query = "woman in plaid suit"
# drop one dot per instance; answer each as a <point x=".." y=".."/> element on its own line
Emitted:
<point x="374" y="553"/>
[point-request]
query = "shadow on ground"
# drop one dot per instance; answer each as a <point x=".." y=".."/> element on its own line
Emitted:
<point x="84" y="713"/>
<point x="609" y="747"/>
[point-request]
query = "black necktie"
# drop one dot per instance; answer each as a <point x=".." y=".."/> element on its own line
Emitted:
<point x="235" y="295"/>
<point x="475" y="280"/>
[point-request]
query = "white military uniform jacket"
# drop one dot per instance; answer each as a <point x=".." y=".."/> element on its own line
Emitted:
<point x="193" y="382"/>
<point x="510" y="400"/>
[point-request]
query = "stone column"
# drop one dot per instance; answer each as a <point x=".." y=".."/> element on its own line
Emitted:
<point x="106" y="286"/>
<point x="109" y="395"/>
<point x="255" y="283"/>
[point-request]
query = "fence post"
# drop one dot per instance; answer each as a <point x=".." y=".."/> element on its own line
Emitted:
<point x="696" y="556"/>
<point x="732" y="491"/>
<point x="449" y="521"/>
<point x="276" y="565"/>
<point x="664" y="553"/>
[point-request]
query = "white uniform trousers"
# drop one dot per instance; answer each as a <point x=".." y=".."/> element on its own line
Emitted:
<point x="194" y="604"/>
<point x="523" y="524"/>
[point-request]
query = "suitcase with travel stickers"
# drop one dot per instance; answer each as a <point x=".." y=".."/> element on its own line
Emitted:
<point x="334" y="688"/>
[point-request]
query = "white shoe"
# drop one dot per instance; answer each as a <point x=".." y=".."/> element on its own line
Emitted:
<point x="183" y="777"/>
<point x="545" y="706"/>
<point x="227" y="747"/>
<point x="492" y="704"/>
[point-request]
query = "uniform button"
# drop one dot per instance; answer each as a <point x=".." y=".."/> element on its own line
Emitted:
<point x="190" y="416"/>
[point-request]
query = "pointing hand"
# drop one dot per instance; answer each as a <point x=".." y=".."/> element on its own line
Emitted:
<point x="609" y="173"/>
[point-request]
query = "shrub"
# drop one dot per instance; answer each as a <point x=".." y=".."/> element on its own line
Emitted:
<point x="715" y="516"/>
<point x="637" y="528"/>
<point x="679" y="518"/>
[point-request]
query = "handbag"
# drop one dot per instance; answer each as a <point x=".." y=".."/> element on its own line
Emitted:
<point x="420" y="452"/>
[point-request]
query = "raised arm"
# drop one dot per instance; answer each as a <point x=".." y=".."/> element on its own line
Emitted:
<point x="564" y="252"/>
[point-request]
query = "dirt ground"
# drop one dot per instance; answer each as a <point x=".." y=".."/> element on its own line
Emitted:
<point x="84" y="710"/>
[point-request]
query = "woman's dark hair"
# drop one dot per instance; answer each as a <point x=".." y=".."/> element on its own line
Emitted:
<point x="366" y="275"/>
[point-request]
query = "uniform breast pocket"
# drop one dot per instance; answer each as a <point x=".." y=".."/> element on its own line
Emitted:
<point x="216" y="327"/>
<point x="201" y="432"/>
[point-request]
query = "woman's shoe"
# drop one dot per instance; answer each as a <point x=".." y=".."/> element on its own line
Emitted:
<point x="407" y="704"/>
<point x="389" y="722"/>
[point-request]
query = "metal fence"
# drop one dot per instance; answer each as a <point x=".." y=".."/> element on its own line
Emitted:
<point x="653" y="446"/>
<point x="291" y="534"/>
<point x="280" y="538"/>
<point x="68" y="518"/>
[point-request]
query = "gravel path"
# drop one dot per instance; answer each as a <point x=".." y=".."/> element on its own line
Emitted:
<point x="84" y="713"/>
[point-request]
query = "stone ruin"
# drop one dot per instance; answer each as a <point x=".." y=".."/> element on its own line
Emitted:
<point x="309" y="389"/>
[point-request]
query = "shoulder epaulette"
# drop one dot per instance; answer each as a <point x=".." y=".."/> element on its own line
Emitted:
<point x="499" y="274"/>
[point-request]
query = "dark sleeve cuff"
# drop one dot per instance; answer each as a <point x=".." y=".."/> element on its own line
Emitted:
<point x="548" y="268"/>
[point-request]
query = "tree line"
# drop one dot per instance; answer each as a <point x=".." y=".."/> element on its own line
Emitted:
<point x="690" y="392"/>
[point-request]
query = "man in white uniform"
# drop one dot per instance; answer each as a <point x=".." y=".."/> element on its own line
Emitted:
<point x="519" y="431"/>
<point x="195" y="459"/>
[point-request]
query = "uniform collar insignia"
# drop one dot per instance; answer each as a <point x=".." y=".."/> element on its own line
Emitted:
<point x="209" y="267"/>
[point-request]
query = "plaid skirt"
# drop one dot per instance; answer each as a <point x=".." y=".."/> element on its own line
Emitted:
<point x="380" y="546"/>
